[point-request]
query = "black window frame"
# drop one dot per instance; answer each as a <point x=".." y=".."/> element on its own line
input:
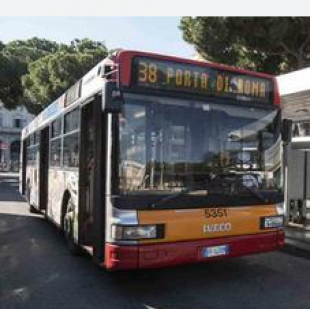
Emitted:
<point x="55" y="126"/>
<point x="69" y="131"/>
<point x="51" y="162"/>
<point x="32" y="148"/>
<point x="68" y="117"/>
<point x="59" y="131"/>
<point x="55" y="137"/>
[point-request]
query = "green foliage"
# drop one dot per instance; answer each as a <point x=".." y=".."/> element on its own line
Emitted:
<point x="36" y="71"/>
<point x="267" y="44"/>
<point x="53" y="74"/>
<point x="10" y="87"/>
<point x="14" y="59"/>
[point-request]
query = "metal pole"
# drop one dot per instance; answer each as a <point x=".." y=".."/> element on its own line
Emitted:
<point x="304" y="207"/>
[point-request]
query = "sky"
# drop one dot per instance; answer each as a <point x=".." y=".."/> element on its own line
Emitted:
<point x="154" y="34"/>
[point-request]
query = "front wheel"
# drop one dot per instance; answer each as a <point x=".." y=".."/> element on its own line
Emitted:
<point x="68" y="229"/>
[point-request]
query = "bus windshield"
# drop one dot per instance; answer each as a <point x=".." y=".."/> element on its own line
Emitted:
<point x="174" y="149"/>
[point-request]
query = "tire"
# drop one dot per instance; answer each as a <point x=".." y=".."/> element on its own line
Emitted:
<point x="67" y="224"/>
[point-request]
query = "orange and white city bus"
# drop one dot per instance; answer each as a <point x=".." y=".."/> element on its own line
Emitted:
<point x="151" y="160"/>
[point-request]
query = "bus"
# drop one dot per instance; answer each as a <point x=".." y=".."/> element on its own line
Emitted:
<point x="152" y="160"/>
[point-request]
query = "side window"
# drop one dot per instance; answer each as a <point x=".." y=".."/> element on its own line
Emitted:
<point x="55" y="143"/>
<point x="71" y="150"/>
<point x="56" y="128"/>
<point x="17" y="123"/>
<point x="31" y="140"/>
<point x="71" y="139"/>
<point x="71" y="121"/>
<point x="55" y="152"/>
<point x="37" y="137"/>
<point x="29" y="156"/>
<point x="32" y="143"/>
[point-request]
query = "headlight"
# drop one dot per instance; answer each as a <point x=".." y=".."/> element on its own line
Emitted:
<point x="135" y="232"/>
<point x="272" y="222"/>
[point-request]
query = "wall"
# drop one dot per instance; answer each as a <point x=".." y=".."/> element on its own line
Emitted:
<point x="11" y="124"/>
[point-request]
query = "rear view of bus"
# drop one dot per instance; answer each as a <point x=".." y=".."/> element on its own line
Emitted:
<point x="198" y="172"/>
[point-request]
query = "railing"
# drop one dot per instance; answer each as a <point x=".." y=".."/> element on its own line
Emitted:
<point x="6" y="129"/>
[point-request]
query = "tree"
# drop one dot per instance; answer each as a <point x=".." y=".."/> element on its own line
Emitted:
<point x="10" y="87"/>
<point x="269" y="44"/>
<point x="14" y="59"/>
<point x="35" y="72"/>
<point x="53" y="74"/>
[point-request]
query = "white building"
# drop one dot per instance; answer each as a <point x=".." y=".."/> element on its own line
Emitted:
<point x="11" y="124"/>
<point x="295" y="101"/>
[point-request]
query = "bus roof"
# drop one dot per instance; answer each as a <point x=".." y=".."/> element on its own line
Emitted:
<point x="294" y="82"/>
<point x="89" y="85"/>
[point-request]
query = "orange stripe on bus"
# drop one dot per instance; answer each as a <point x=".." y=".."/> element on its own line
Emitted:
<point x="189" y="224"/>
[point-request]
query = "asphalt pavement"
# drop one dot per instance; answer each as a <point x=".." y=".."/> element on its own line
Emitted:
<point x="37" y="271"/>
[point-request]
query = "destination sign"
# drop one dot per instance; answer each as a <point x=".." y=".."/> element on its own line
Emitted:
<point x="189" y="78"/>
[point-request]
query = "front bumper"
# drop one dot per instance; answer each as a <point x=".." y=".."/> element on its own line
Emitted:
<point x="183" y="252"/>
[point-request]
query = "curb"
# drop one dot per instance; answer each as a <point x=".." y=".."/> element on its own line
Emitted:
<point x="297" y="247"/>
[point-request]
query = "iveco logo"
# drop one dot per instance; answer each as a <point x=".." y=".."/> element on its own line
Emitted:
<point x="218" y="227"/>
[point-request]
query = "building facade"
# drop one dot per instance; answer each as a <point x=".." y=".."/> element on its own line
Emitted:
<point x="11" y="125"/>
<point x="295" y="103"/>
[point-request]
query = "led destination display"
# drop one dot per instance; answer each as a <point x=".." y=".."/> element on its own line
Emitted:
<point x="188" y="78"/>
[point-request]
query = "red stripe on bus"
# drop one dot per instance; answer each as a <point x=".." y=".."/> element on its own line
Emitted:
<point x="171" y="254"/>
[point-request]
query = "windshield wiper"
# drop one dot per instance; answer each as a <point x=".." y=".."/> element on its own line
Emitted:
<point x="256" y="194"/>
<point x="169" y="197"/>
<point x="188" y="191"/>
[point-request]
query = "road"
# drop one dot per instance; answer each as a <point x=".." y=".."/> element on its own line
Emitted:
<point x="36" y="271"/>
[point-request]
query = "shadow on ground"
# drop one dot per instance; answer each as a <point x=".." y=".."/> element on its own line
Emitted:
<point x="9" y="190"/>
<point x="37" y="271"/>
<point x="40" y="273"/>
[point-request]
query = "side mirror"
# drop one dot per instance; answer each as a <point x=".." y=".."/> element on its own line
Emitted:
<point x="286" y="130"/>
<point x="112" y="98"/>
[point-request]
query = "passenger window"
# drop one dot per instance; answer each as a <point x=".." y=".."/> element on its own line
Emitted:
<point x="56" y="128"/>
<point x="55" y="152"/>
<point x="71" y="150"/>
<point x="71" y="121"/>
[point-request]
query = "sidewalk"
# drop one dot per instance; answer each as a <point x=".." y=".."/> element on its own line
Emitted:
<point x="297" y="240"/>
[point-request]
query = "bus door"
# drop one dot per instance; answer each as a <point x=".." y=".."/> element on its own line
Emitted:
<point x="43" y="175"/>
<point x="86" y="176"/>
<point x="91" y="202"/>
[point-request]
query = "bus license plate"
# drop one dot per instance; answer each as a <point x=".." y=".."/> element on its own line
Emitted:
<point x="215" y="251"/>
